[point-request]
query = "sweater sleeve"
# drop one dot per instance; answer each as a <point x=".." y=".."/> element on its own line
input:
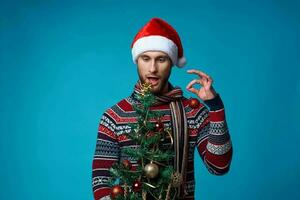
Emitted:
<point x="214" y="143"/>
<point x="106" y="153"/>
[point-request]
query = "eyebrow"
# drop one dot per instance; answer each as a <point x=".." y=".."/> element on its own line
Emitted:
<point x="160" y="56"/>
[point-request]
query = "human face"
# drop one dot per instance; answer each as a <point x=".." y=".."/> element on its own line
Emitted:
<point x="154" y="67"/>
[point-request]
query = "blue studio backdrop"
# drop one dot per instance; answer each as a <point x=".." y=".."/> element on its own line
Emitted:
<point x="64" y="62"/>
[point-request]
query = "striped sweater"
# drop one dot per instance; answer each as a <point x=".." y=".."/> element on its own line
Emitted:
<point x="208" y="132"/>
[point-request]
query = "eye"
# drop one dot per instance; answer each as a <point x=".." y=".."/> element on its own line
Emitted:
<point x="162" y="59"/>
<point x="145" y="58"/>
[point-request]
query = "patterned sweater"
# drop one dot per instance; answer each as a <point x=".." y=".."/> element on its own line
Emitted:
<point x="208" y="133"/>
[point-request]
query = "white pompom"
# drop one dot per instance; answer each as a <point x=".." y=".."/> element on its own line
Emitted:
<point x="181" y="62"/>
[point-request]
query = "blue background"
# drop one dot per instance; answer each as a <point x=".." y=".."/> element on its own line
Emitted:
<point x="63" y="63"/>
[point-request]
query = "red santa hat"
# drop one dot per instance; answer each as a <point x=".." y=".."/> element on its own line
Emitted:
<point x="158" y="35"/>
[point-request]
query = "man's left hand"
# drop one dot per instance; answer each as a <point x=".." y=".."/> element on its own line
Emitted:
<point x="206" y="92"/>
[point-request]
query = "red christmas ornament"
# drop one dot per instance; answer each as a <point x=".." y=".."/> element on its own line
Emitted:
<point x="115" y="191"/>
<point x="127" y="164"/>
<point x="159" y="126"/>
<point x="194" y="103"/>
<point x="137" y="186"/>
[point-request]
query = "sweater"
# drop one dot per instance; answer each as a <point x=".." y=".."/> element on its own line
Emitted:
<point x="208" y="133"/>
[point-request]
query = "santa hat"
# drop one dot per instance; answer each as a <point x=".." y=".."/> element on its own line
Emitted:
<point x="158" y="35"/>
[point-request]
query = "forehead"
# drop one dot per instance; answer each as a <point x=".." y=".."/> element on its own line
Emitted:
<point x="153" y="53"/>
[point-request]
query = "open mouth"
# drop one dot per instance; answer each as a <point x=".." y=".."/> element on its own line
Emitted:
<point x="153" y="80"/>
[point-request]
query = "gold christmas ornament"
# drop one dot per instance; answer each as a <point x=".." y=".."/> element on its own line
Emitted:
<point x="151" y="170"/>
<point x="146" y="88"/>
<point x="176" y="179"/>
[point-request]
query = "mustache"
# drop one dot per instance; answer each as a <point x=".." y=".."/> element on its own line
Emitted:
<point x="152" y="76"/>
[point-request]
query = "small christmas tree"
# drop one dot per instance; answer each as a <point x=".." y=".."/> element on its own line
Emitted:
<point x="153" y="178"/>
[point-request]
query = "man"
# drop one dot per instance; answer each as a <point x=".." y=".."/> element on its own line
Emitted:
<point x="156" y="48"/>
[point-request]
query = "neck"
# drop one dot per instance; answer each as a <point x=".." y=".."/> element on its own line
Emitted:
<point x="166" y="88"/>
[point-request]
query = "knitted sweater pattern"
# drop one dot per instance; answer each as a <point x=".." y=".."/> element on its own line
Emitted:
<point x="208" y="133"/>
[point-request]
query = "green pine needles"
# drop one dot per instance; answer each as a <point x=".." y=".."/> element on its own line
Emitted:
<point x="153" y="178"/>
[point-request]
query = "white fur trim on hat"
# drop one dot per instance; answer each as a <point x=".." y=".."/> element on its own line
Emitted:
<point x="155" y="43"/>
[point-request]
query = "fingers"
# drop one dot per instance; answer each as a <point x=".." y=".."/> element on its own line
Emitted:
<point x="193" y="82"/>
<point x="200" y="74"/>
<point x="193" y="90"/>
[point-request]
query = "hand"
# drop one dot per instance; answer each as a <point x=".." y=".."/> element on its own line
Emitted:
<point x="206" y="92"/>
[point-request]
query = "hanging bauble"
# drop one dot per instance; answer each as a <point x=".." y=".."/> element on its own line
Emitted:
<point x="194" y="103"/>
<point x="137" y="186"/>
<point x="176" y="179"/>
<point x="127" y="164"/>
<point x="159" y="126"/>
<point x="115" y="191"/>
<point x="151" y="170"/>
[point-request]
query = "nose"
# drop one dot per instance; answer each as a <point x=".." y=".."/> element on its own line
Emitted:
<point x="153" y="67"/>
